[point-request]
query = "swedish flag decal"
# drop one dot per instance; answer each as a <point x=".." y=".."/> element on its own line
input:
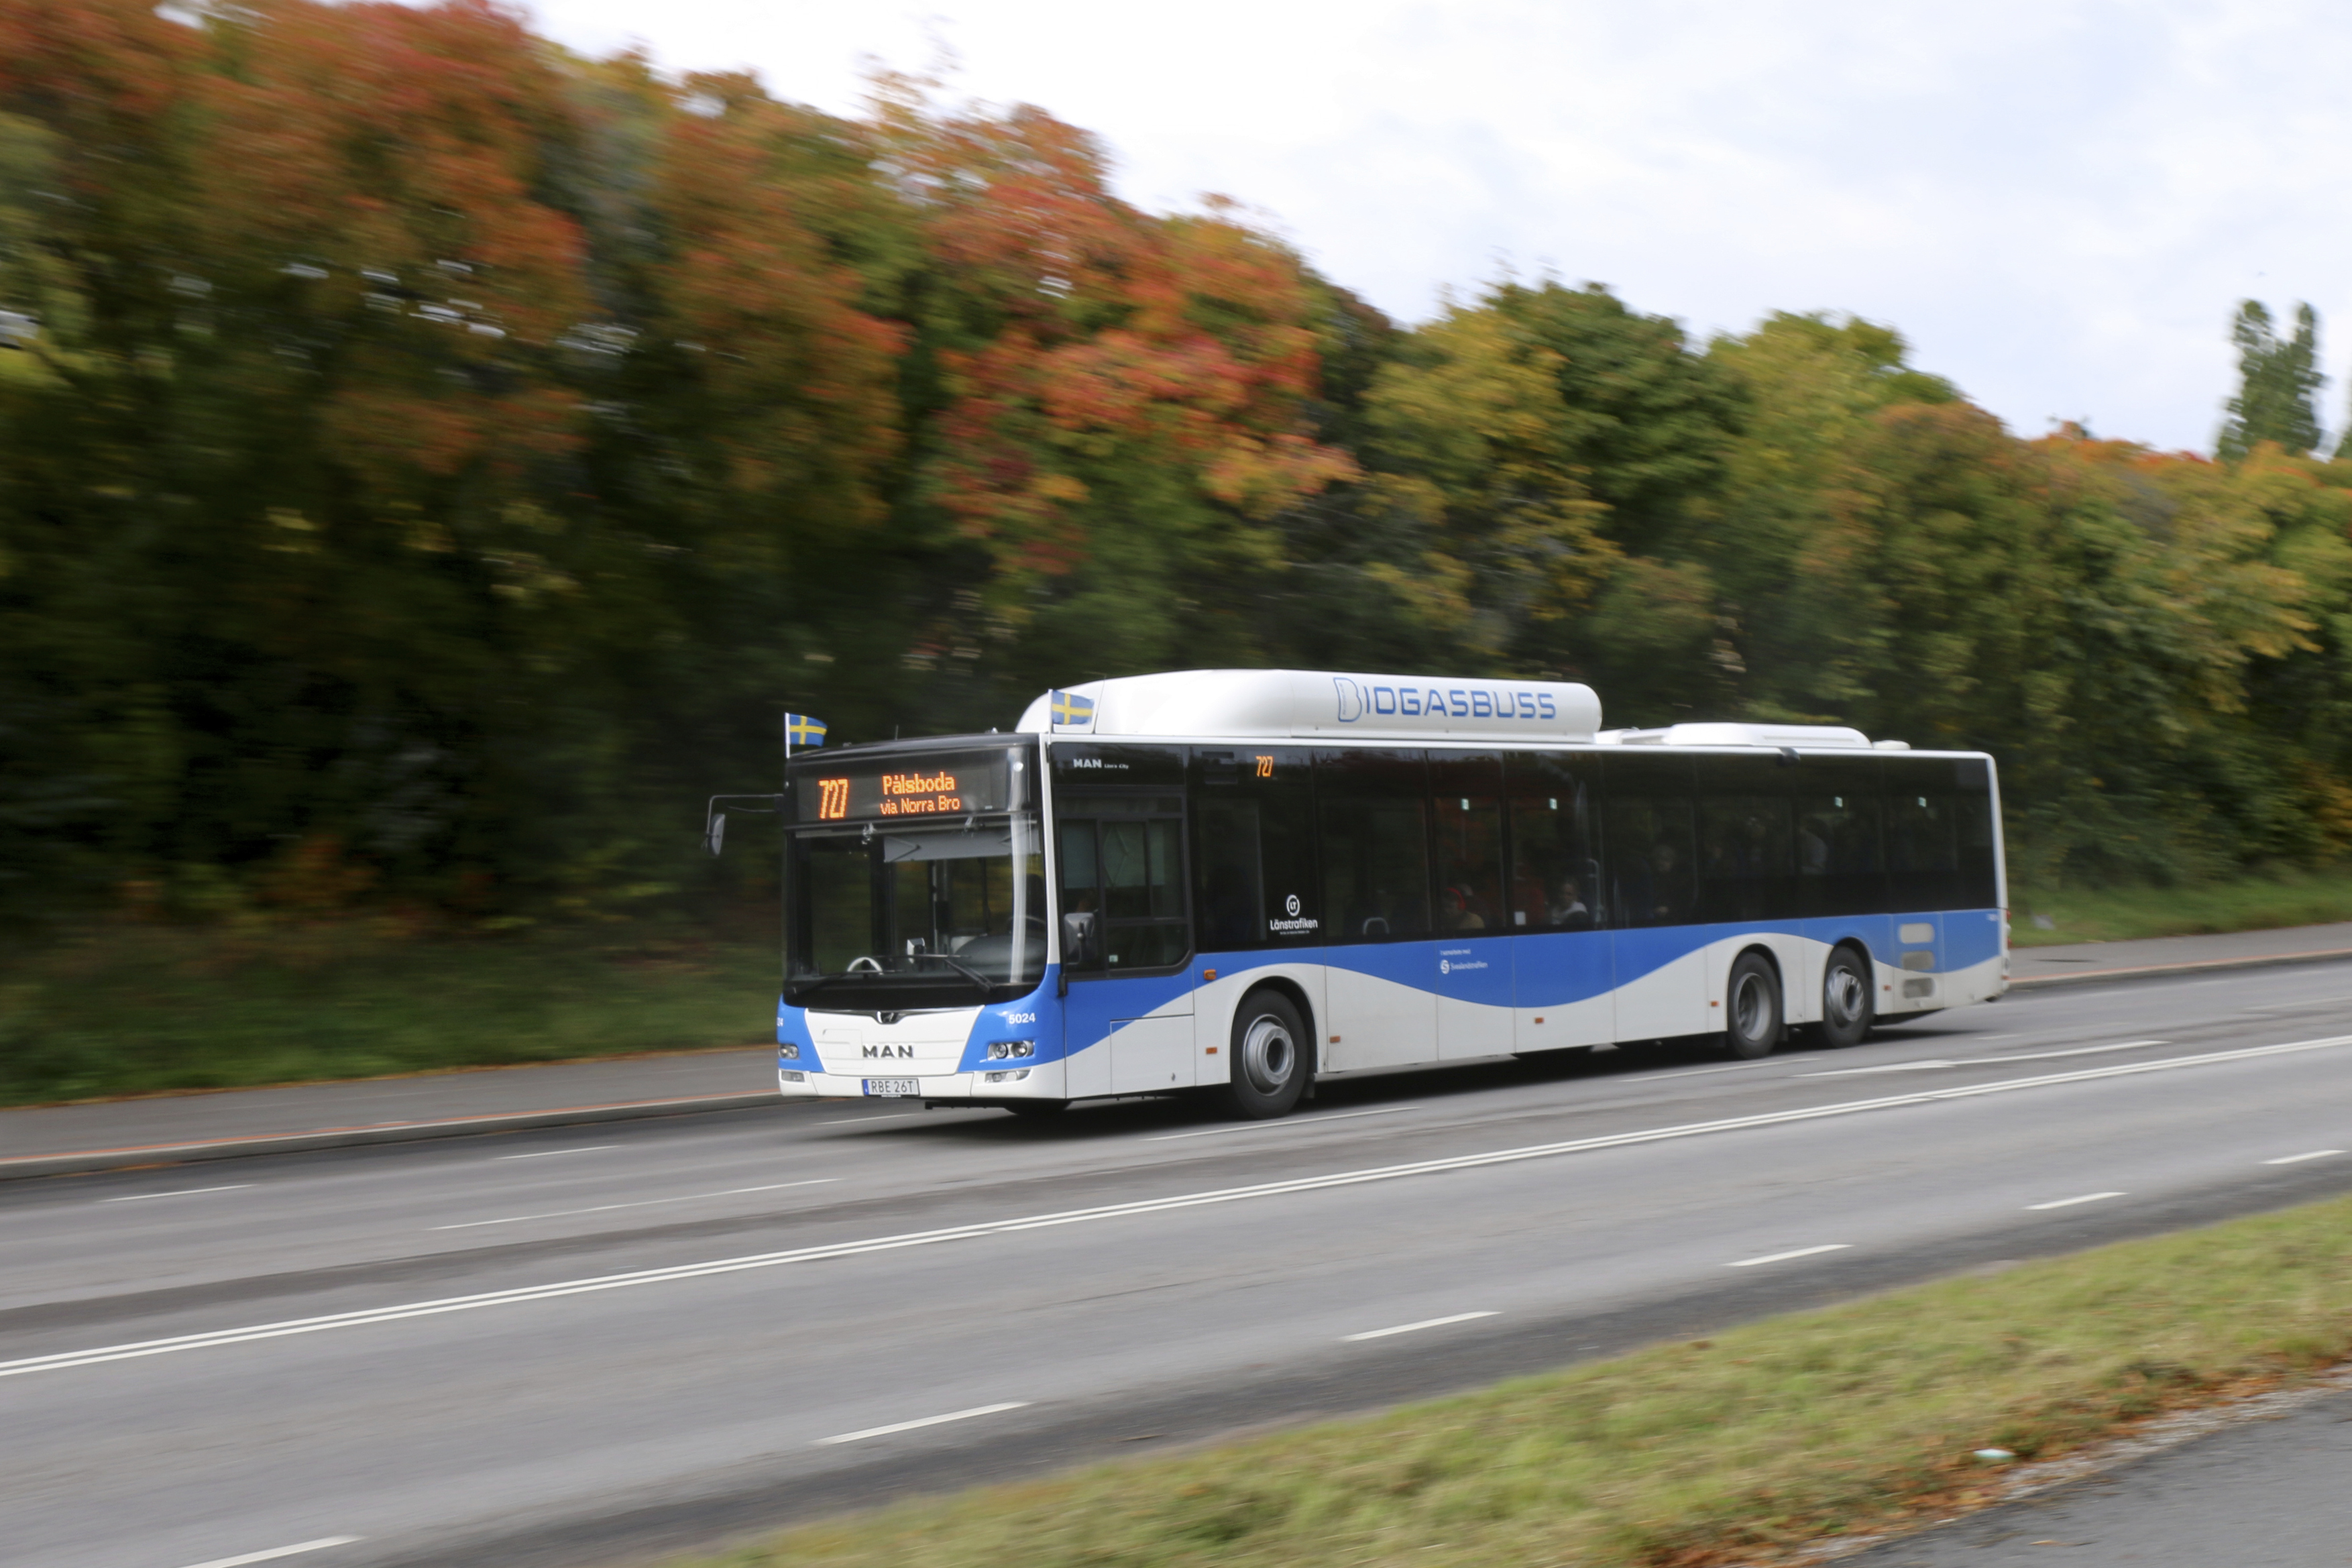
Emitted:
<point x="800" y="729"/>
<point x="1071" y="712"/>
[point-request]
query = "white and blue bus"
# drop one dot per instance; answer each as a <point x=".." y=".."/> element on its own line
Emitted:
<point x="1243" y="881"/>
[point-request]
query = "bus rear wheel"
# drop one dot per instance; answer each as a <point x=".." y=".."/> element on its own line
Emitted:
<point x="1752" y="1008"/>
<point x="1268" y="1066"/>
<point x="1846" y="1010"/>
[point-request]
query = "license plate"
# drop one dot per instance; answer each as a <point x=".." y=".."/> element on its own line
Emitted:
<point x="897" y="1087"/>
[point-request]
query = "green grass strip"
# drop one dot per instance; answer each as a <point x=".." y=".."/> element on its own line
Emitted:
<point x="2188" y="909"/>
<point x="1782" y="1432"/>
<point x="137" y="1011"/>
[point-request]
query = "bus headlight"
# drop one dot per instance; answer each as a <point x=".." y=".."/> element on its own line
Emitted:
<point x="794" y="1076"/>
<point x="1015" y="1076"/>
<point x="789" y="1053"/>
<point x="998" y="1051"/>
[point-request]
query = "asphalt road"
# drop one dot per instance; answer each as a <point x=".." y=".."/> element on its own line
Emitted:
<point x="2266" y="1495"/>
<point x="586" y="1345"/>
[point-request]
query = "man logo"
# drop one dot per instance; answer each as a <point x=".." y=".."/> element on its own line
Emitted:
<point x="1290" y="905"/>
<point x="872" y="1052"/>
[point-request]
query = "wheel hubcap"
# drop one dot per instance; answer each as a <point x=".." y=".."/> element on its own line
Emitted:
<point x="1269" y="1055"/>
<point x="1845" y="996"/>
<point x="1749" y="1007"/>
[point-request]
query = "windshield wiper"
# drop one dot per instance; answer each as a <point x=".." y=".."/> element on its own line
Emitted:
<point x="804" y="987"/>
<point x="961" y="967"/>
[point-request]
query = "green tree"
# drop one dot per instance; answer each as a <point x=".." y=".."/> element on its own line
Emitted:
<point x="2277" y="381"/>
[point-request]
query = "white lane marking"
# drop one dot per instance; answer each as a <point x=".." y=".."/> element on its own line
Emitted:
<point x="2070" y="1202"/>
<point x="1784" y="1257"/>
<point x="2299" y="1006"/>
<point x="926" y="1421"/>
<point x="2299" y="1159"/>
<point x="1980" y="1039"/>
<point x="1280" y="1121"/>
<point x="176" y="1193"/>
<point x="140" y="1348"/>
<point x="639" y="1204"/>
<point x="275" y="1552"/>
<point x="846" y="1120"/>
<point x="1989" y="1061"/>
<point x="1735" y="1067"/>
<point x="551" y="1153"/>
<point x="1411" y="1328"/>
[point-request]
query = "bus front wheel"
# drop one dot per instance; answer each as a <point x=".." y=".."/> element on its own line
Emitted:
<point x="1268" y="1066"/>
<point x="1846" y="1001"/>
<point x="1752" y="1008"/>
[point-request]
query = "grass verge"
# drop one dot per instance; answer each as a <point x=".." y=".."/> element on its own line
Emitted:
<point x="2251" y="903"/>
<point x="139" y="1009"/>
<point x="1778" y="1434"/>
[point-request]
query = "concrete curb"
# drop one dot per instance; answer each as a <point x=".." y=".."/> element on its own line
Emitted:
<point x="84" y="1162"/>
<point x="2138" y="971"/>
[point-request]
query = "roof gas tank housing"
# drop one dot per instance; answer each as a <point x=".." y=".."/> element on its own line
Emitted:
<point x="1300" y="704"/>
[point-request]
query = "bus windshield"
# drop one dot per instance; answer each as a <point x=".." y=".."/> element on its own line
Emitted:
<point x="904" y="918"/>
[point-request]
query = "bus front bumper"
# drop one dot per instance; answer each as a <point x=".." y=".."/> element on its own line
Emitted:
<point x="1041" y="1080"/>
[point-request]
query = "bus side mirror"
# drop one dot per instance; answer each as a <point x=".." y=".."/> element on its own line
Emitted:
<point x="1080" y="946"/>
<point x="714" y="832"/>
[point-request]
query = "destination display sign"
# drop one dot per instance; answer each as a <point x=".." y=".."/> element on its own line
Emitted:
<point x="926" y="785"/>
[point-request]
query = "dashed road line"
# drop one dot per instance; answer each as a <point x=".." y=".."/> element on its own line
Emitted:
<point x="926" y="1421"/>
<point x="639" y="1204"/>
<point x="1786" y="1257"/>
<point x="2299" y="1159"/>
<point x="2070" y="1202"/>
<point x="551" y="1153"/>
<point x="1990" y="1061"/>
<point x="1411" y="1328"/>
<point x="275" y="1552"/>
<point x="176" y="1193"/>
<point x="1279" y="1122"/>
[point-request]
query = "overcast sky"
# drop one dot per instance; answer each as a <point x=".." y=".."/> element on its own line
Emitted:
<point x="2058" y="202"/>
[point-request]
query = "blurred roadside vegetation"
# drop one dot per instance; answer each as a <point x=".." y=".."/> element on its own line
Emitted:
<point x="2261" y="901"/>
<point x="137" y="1010"/>
<point x="431" y="462"/>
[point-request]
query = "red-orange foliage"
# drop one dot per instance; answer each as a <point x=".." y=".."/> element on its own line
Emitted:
<point x="748" y="289"/>
<point x="1090" y="335"/>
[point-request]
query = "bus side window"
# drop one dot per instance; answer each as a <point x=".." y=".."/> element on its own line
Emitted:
<point x="1143" y="893"/>
<point x="1746" y="840"/>
<point x="1231" y="891"/>
<point x="1465" y="799"/>
<point x="1979" y="877"/>
<point x="1371" y="811"/>
<point x="1922" y="849"/>
<point x="1081" y="883"/>
<point x="1555" y="882"/>
<point x="1841" y="858"/>
<point x="1649" y="841"/>
<point x="1253" y="877"/>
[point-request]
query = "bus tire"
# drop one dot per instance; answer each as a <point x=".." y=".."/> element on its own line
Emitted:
<point x="1751" y="1007"/>
<point x="1848" y="1007"/>
<point x="1270" y="1062"/>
